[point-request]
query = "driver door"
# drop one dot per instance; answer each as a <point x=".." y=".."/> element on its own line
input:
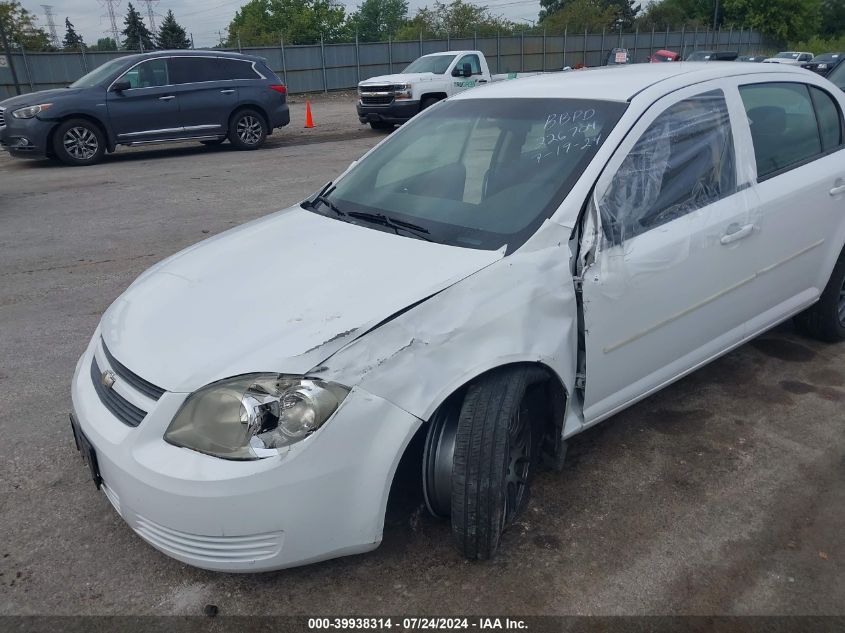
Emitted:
<point x="665" y="289"/>
<point x="460" y="82"/>
<point x="149" y="109"/>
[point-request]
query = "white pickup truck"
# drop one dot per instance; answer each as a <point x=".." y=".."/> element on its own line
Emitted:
<point x="390" y="99"/>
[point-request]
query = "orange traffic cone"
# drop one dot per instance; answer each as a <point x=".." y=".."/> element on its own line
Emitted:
<point x="309" y="122"/>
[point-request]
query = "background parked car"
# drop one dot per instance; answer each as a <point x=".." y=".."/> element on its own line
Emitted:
<point x="790" y="58"/>
<point x="149" y="98"/>
<point x="664" y="56"/>
<point x="837" y="75"/>
<point x="712" y="56"/>
<point x="619" y="56"/>
<point x="824" y="63"/>
<point x="751" y="58"/>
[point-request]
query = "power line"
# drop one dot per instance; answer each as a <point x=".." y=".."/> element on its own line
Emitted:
<point x="48" y="13"/>
<point x="110" y="6"/>
<point x="151" y="14"/>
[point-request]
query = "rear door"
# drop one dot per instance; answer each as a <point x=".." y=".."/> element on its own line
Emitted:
<point x="149" y="109"/>
<point x="797" y="194"/>
<point x="667" y="288"/>
<point x="207" y="94"/>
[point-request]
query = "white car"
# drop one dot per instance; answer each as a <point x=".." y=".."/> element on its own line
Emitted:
<point x="515" y="265"/>
<point x="790" y="58"/>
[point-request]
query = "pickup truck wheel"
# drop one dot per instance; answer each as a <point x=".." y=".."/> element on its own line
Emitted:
<point x="495" y="451"/>
<point x="247" y="130"/>
<point x="381" y="125"/>
<point x="825" y="320"/>
<point x="79" y="142"/>
<point x="428" y="102"/>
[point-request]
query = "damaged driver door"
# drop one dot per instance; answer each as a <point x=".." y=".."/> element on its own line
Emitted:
<point x="664" y="257"/>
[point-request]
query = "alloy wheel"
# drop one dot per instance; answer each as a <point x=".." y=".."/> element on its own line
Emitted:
<point x="249" y="130"/>
<point x="81" y="143"/>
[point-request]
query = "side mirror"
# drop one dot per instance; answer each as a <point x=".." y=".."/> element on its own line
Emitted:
<point x="457" y="72"/>
<point x="120" y="86"/>
<point x="467" y="70"/>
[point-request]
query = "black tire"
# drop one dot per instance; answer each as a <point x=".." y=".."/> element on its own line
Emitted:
<point x="79" y="142"/>
<point x="427" y="102"/>
<point x="381" y="125"/>
<point x="212" y="142"/>
<point x="825" y="320"/>
<point x="495" y="427"/>
<point x="247" y="129"/>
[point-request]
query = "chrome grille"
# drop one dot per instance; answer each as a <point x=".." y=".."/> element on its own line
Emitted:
<point x="374" y="100"/>
<point x="132" y="379"/>
<point x="119" y="406"/>
<point x="386" y="88"/>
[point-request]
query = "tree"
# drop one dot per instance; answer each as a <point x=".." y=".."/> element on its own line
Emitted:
<point x="375" y="20"/>
<point x="626" y="11"/>
<point x="783" y="19"/>
<point x="21" y="27"/>
<point x="673" y="13"/>
<point x="833" y="18"/>
<point x="171" y="35"/>
<point x="136" y="35"/>
<point x="261" y="22"/>
<point x="456" y="19"/>
<point x="72" y="41"/>
<point x="580" y="15"/>
<point x="106" y="44"/>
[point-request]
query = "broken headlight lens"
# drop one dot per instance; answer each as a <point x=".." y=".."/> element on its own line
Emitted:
<point x="253" y="416"/>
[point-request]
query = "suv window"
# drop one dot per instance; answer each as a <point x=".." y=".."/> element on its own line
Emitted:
<point x="236" y="69"/>
<point x="837" y="76"/>
<point x="188" y="70"/>
<point x="829" y="118"/>
<point x="153" y="72"/>
<point x="682" y="162"/>
<point x="783" y="125"/>
<point x="473" y="61"/>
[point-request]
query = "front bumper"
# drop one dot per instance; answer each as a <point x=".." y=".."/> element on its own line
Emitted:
<point x="394" y="112"/>
<point x="26" y="138"/>
<point x="325" y="498"/>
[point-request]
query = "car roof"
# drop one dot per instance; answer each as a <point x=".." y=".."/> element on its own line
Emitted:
<point x="625" y="82"/>
<point x="452" y="53"/>
<point x="192" y="53"/>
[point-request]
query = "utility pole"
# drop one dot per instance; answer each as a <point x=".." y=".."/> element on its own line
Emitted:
<point x="110" y="6"/>
<point x="51" y="25"/>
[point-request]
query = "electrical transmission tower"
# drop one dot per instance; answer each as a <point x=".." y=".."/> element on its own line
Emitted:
<point x="51" y="24"/>
<point x="110" y="6"/>
<point x="151" y="14"/>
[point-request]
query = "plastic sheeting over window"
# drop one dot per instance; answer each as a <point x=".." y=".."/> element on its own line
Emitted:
<point x="684" y="161"/>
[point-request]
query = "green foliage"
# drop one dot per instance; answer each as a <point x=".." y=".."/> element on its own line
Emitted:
<point x="375" y="20"/>
<point x="105" y="44"/>
<point x="673" y="13"/>
<point x="21" y="27"/>
<point x="455" y="19"/>
<point x="578" y="16"/>
<point x="171" y="34"/>
<point x="261" y="22"/>
<point x="783" y="19"/>
<point x="817" y="45"/>
<point x="72" y="41"/>
<point x="833" y="18"/>
<point x="135" y="34"/>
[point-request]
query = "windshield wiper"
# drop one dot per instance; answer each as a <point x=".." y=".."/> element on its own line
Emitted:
<point x="392" y="223"/>
<point x="323" y="198"/>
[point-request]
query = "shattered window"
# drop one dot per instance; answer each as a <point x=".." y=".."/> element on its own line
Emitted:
<point x="683" y="162"/>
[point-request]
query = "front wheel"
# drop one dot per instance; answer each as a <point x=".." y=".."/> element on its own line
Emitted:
<point x="381" y="125"/>
<point x="247" y="130"/>
<point x="496" y="444"/>
<point x="79" y="142"/>
<point x="825" y="320"/>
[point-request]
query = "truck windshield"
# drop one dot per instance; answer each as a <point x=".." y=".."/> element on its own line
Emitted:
<point x="99" y="74"/>
<point x="436" y="64"/>
<point x="477" y="173"/>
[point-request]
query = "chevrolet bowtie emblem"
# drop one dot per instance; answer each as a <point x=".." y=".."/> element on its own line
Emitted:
<point x="107" y="379"/>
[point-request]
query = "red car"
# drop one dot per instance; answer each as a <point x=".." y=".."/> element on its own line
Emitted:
<point x="664" y="56"/>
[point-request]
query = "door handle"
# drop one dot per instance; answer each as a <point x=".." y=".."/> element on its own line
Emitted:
<point x="482" y="81"/>
<point x="736" y="232"/>
<point x="227" y="91"/>
<point x="837" y="190"/>
<point x="167" y="98"/>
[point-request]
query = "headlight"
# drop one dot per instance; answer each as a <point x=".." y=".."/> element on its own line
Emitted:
<point x="822" y="66"/>
<point x="30" y="111"/>
<point x="253" y="416"/>
<point x="402" y="91"/>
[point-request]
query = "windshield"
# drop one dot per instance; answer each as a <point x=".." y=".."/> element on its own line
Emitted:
<point x="436" y="64"/>
<point x="99" y="74"/>
<point x="699" y="56"/>
<point x="837" y="76"/>
<point x="786" y="56"/>
<point x="826" y="57"/>
<point x="478" y="173"/>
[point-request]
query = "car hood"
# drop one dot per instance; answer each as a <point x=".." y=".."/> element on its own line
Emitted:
<point x="400" y="78"/>
<point x="42" y="96"/>
<point x="279" y="294"/>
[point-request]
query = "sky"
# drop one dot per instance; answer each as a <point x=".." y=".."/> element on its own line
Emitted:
<point x="204" y="18"/>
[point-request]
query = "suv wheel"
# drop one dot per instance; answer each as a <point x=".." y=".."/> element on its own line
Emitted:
<point x="247" y="130"/>
<point x="78" y="142"/>
<point x="825" y="320"/>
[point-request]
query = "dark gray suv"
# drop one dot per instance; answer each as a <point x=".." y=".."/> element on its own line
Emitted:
<point x="156" y="97"/>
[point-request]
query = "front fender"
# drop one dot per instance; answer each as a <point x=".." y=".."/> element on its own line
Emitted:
<point x="519" y="309"/>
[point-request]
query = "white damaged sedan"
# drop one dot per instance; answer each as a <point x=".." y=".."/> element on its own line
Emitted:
<point x="512" y="266"/>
